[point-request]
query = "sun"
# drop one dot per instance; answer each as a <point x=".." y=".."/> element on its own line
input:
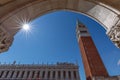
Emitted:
<point x="26" y="27"/>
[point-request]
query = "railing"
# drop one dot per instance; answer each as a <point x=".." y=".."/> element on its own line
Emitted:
<point x="38" y="79"/>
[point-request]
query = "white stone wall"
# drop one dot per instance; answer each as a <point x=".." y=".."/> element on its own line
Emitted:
<point x="11" y="72"/>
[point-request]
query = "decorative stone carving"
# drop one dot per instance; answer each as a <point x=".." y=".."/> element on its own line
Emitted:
<point x="114" y="35"/>
<point x="5" y="40"/>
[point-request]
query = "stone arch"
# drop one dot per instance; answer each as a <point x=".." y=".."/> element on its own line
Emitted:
<point x="12" y="10"/>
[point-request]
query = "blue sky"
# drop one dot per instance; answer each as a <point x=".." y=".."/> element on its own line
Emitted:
<point x="53" y="39"/>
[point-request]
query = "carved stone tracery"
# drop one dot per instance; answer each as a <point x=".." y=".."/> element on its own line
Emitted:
<point x="114" y="35"/>
<point x="5" y="40"/>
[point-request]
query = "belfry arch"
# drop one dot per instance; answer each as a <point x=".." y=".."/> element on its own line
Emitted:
<point x="103" y="11"/>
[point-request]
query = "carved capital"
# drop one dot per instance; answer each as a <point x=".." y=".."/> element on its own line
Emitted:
<point x="5" y="40"/>
<point x="114" y="35"/>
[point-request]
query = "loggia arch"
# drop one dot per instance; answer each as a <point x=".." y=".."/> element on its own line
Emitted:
<point x="103" y="11"/>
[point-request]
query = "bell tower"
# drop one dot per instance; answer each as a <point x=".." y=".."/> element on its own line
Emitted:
<point x="93" y="64"/>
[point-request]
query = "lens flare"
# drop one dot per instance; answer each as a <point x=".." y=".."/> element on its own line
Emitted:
<point x="26" y="27"/>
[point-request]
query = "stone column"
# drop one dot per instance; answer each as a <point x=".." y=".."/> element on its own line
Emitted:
<point x="25" y="75"/>
<point x="60" y="78"/>
<point x="62" y="75"/>
<point x="30" y="75"/>
<point x="14" y="75"/>
<point x="46" y="73"/>
<point x="77" y="74"/>
<point x="0" y="73"/>
<point x="10" y="73"/>
<point x="56" y="74"/>
<point x="41" y="73"/>
<point x="51" y="74"/>
<point x="67" y="75"/>
<point x="72" y="76"/>
<point x="38" y="75"/>
<point x="19" y="76"/>
<point x="4" y="73"/>
<point x="35" y="74"/>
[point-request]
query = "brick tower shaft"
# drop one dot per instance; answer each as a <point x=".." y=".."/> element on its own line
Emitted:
<point x="93" y="64"/>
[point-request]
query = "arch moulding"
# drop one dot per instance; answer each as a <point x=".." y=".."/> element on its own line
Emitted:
<point x="13" y="11"/>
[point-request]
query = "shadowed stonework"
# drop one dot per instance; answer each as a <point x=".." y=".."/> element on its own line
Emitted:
<point x="103" y="11"/>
